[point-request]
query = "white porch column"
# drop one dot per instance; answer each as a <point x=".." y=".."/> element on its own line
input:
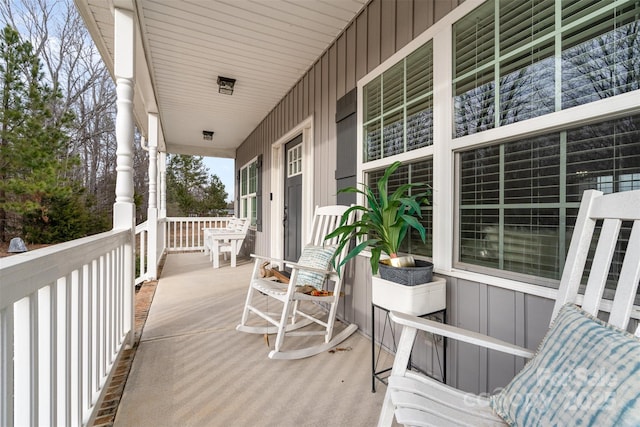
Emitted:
<point x="124" y="207"/>
<point x="152" y="211"/>
<point x="163" y="185"/>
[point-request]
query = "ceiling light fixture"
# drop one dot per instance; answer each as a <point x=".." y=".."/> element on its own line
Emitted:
<point x="207" y="135"/>
<point x="225" y="85"/>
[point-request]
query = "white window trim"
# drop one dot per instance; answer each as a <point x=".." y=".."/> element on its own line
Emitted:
<point x="445" y="147"/>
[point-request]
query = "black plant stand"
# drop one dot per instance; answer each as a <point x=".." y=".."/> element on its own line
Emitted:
<point x="440" y="315"/>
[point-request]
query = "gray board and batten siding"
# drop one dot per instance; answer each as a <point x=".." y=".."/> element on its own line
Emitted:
<point x="327" y="92"/>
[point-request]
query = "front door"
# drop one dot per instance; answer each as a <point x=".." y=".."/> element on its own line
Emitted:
<point x="292" y="220"/>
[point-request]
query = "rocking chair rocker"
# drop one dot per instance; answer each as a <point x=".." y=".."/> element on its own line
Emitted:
<point x="312" y="272"/>
<point x="579" y="353"/>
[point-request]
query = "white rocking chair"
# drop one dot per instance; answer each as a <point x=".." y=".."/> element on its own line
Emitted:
<point x="418" y="400"/>
<point x="301" y="309"/>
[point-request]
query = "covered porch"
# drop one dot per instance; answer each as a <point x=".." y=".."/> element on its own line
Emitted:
<point x="315" y="72"/>
<point x="192" y="367"/>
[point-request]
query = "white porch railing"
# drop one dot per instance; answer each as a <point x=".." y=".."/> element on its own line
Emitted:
<point x="186" y="233"/>
<point x="142" y="241"/>
<point x="66" y="312"/>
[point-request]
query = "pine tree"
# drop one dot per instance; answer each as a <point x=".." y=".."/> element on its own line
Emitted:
<point x="32" y="142"/>
<point x="190" y="189"/>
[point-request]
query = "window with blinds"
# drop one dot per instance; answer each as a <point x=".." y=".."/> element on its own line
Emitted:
<point x="416" y="172"/>
<point x="519" y="199"/>
<point x="398" y="107"/>
<point x="248" y="191"/>
<point x="505" y="67"/>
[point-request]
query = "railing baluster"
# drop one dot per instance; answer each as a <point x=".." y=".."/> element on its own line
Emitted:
<point x="44" y="354"/>
<point x="76" y="346"/>
<point x="7" y="350"/>
<point x="22" y="364"/>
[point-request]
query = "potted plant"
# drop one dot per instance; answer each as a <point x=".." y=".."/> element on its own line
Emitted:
<point x="383" y="225"/>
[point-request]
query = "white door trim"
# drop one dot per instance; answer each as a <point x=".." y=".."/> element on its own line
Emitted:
<point x="278" y="163"/>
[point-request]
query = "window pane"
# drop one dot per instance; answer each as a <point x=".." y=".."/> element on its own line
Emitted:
<point x="373" y="141"/>
<point x="372" y="101"/>
<point x="420" y="124"/>
<point x="253" y="177"/>
<point x="603" y="156"/>
<point x="479" y="237"/>
<point x="393" y="134"/>
<point x="243" y="181"/>
<point x="522" y="22"/>
<point x="601" y="57"/>
<point x="474" y="103"/>
<point x="473" y="80"/>
<point x="530" y="242"/>
<point x="527" y="84"/>
<point x="415" y="172"/>
<point x="420" y="72"/>
<point x="480" y="180"/>
<point x="393" y="83"/>
<point x="473" y="41"/>
<point x="532" y="170"/>
<point x="254" y="210"/>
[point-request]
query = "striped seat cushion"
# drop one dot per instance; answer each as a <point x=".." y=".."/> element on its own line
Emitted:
<point x="585" y="373"/>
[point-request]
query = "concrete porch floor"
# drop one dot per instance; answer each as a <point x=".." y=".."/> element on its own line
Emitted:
<point x="192" y="368"/>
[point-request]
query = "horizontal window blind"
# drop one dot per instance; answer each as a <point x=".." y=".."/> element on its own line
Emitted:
<point x="392" y="88"/>
<point x="574" y="10"/>
<point x="601" y="57"/>
<point x="373" y="99"/>
<point x="474" y="44"/>
<point x="415" y="172"/>
<point x="532" y="170"/>
<point x="604" y="157"/>
<point x="253" y="177"/>
<point x="596" y="41"/>
<point x="519" y="200"/>
<point x="398" y="107"/>
<point x="522" y="22"/>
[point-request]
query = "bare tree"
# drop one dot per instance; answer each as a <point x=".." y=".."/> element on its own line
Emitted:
<point x="73" y="65"/>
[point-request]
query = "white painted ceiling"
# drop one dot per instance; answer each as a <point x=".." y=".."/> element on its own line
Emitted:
<point x="266" y="45"/>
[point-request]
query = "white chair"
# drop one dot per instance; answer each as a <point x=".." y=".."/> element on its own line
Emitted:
<point x="227" y="240"/>
<point x="575" y="347"/>
<point x="300" y="309"/>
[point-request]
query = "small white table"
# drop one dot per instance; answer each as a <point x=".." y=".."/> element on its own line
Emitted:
<point x="224" y="238"/>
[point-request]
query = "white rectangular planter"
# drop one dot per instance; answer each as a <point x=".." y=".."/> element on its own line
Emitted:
<point x="416" y="300"/>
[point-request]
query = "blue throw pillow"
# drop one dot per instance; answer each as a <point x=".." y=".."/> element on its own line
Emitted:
<point x="585" y="373"/>
<point x="315" y="257"/>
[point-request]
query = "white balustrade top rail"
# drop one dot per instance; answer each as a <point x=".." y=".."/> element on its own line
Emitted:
<point x="65" y="314"/>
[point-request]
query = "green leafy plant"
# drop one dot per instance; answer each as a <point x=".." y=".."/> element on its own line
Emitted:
<point x="384" y="221"/>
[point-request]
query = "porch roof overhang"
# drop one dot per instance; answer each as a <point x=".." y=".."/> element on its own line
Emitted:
<point x="183" y="46"/>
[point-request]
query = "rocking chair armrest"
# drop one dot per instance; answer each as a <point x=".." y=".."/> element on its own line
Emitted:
<point x="297" y="266"/>
<point x="460" y="334"/>
<point x="268" y="258"/>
